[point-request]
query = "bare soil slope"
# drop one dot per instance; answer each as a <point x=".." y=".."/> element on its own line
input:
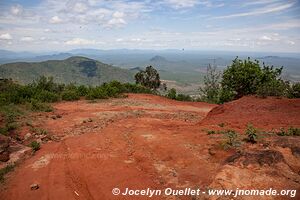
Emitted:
<point x="146" y="141"/>
<point x="265" y="113"/>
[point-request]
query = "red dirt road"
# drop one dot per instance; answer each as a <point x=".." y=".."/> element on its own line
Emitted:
<point x="138" y="142"/>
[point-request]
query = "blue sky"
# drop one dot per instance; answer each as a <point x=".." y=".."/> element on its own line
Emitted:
<point x="237" y="25"/>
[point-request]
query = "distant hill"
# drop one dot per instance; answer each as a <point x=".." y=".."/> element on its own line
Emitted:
<point x="158" y="59"/>
<point x="77" y="69"/>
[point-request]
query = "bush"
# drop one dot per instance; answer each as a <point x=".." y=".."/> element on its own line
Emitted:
<point x="247" y="77"/>
<point x="70" y="95"/>
<point x="35" y="105"/>
<point x="210" y="92"/>
<point x="273" y="88"/>
<point x="291" y="131"/>
<point x="252" y="133"/>
<point x="5" y="170"/>
<point x="136" y="88"/>
<point x="183" y="97"/>
<point x="231" y="138"/>
<point x="35" y="145"/>
<point x="47" y="84"/>
<point x="97" y="93"/>
<point x="172" y="94"/>
<point x="46" y="96"/>
<point x="295" y="91"/>
<point x="82" y="90"/>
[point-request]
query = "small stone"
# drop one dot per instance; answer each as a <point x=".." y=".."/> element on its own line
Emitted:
<point x="4" y="156"/>
<point x="39" y="140"/>
<point x="211" y="151"/>
<point x="90" y="120"/>
<point x="58" y="116"/>
<point x="27" y="136"/>
<point x="34" y="186"/>
<point x="53" y="117"/>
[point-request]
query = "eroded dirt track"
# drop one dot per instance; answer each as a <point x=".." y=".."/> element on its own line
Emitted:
<point x="137" y="142"/>
<point x="147" y="141"/>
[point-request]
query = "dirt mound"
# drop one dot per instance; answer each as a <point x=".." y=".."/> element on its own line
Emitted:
<point x="265" y="113"/>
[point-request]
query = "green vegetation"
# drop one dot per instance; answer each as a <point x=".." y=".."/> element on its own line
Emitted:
<point x="39" y="131"/>
<point x="295" y="91"/>
<point x="37" y="96"/>
<point x="245" y="77"/>
<point x="84" y="70"/>
<point x="5" y="170"/>
<point x="172" y="94"/>
<point x="211" y="90"/>
<point x="36" y="105"/>
<point x="70" y="95"/>
<point x="291" y="131"/>
<point x="148" y="78"/>
<point x="231" y="139"/>
<point x="252" y="133"/>
<point x="9" y="113"/>
<point x="35" y="146"/>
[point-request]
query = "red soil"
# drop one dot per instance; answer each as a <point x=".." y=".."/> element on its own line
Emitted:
<point x="139" y="142"/>
<point x="265" y="113"/>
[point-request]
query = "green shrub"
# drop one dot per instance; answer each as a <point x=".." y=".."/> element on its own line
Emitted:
<point x="70" y="95"/>
<point x="291" y="131"/>
<point x="97" y="93"/>
<point x="35" y="105"/>
<point x="252" y="133"/>
<point x="295" y="91"/>
<point x="111" y="91"/>
<point x="248" y="77"/>
<point x="210" y="91"/>
<point x="136" y="88"/>
<point x="35" y="145"/>
<point x="46" y="96"/>
<point x="82" y="90"/>
<point x="172" y="94"/>
<point x="48" y="84"/>
<point x="294" y="131"/>
<point x="231" y="138"/>
<point x="5" y="170"/>
<point x="273" y="88"/>
<point x="183" y="97"/>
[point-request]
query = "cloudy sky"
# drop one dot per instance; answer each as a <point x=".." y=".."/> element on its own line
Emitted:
<point x="236" y="25"/>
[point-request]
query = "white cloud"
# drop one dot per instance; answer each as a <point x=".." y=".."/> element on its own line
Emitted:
<point x="266" y="38"/>
<point x="268" y="9"/>
<point x="118" y="14"/>
<point x="78" y="7"/>
<point x="16" y="10"/>
<point x="27" y="39"/>
<point x="55" y="20"/>
<point x="177" y="4"/>
<point x="80" y="41"/>
<point x="5" y="36"/>
<point x="291" y="42"/>
<point x="115" y="22"/>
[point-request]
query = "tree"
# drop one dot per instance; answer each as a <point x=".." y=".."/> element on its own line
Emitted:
<point x="248" y="77"/>
<point x="210" y="92"/>
<point x="148" y="78"/>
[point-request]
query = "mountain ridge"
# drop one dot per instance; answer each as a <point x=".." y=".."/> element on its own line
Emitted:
<point x="81" y="70"/>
